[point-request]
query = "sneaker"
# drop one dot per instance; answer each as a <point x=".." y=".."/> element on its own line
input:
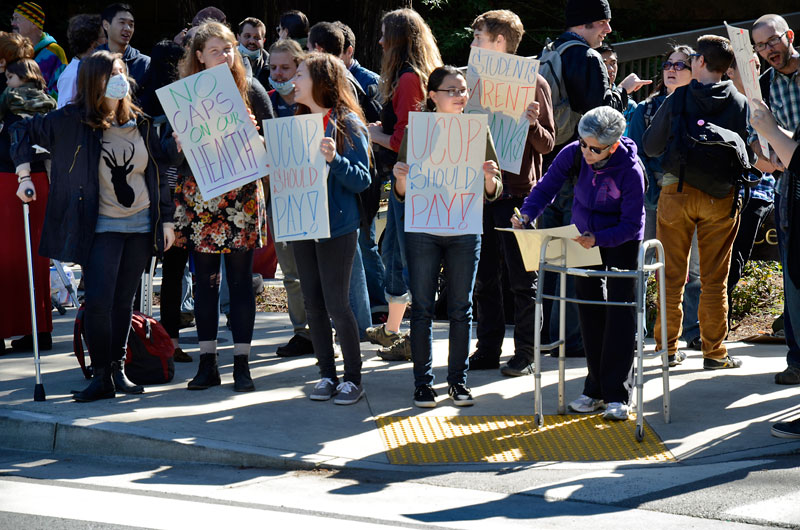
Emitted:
<point x="460" y="394"/>
<point x="677" y="358"/>
<point x="617" y="411"/>
<point x="483" y="360"/>
<point x="379" y="335"/>
<point x="349" y="393"/>
<point x="719" y="364"/>
<point x="516" y="367"/>
<point x="180" y="356"/>
<point x="425" y="397"/>
<point x="324" y="390"/>
<point x="790" y="376"/>
<point x="786" y="429"/>
<point x="296" y="347"/>
<point x="399" y="351"/>
<point x="695" y="344"/>
<point x="586" y="404"/>
<point x="186" y="320"/>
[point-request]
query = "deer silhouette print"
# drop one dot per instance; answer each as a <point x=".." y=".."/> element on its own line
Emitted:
<point x="119" y="175"/>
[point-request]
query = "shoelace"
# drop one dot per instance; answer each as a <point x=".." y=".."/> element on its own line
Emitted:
<point x="347" y="386"/>
<point x="325" y="381"/>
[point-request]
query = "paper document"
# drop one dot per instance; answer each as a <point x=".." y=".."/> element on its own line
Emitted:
<point x="530" y="245"/>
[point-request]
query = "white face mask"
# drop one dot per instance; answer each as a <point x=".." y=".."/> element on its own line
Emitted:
<point x="117" y="86"/>
<point x="252" y="54"/>
<point x="284" y="88"/>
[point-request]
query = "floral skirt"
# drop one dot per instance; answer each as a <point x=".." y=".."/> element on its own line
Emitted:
<point x="232" y="222"/>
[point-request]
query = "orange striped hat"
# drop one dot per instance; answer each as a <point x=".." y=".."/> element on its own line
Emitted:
<point x="32" y="12"/>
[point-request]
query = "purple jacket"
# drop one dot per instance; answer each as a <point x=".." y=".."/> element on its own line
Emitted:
<point x="609" y="202"/>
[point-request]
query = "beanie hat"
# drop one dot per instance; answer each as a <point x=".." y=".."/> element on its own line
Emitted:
<point x="32" y="12"/>
<point x="580" y="12"/>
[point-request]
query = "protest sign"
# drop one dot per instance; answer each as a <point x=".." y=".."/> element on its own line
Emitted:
<point x="746" y="66"/>
<point x="444" y="190"/>
<point x="530" y="246"/>
<point x="298" y="180"/>
<point x="503" y="85"/>
<point x="218" y="139"/>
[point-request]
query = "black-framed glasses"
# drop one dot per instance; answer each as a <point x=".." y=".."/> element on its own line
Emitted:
<point x="593" y="149"/>
<point x="772" y="42"/>
<point x="453" y="92"/>
<point x="677" y="65"/>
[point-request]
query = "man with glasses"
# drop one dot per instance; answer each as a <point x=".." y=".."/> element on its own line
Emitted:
<point x="682" y="210"/>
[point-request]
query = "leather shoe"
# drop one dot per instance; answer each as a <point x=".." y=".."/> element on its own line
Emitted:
<point x="207" y="373"/>
<point x="25" y="344"/>
<point x="121" y="381"/>
<point x="101" y="387"/>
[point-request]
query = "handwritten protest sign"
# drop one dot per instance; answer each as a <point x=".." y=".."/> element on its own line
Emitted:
<point x="503" y="85"/>
<point x="220" y="142"/>
<point x="746" y="66"/>
<point x="444" y="191"/>
<point x="298" y="177"/>
<point x="530" y="246"/>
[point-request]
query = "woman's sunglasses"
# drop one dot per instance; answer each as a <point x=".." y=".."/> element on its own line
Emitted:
<point x="595" y="150"/>
<point x="678" y="65"/>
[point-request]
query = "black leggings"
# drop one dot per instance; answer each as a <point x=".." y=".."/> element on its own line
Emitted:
<point x="172" y="267"/>
<point x="239" y="273"/>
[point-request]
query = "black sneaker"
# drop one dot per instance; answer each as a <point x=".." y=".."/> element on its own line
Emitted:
<point x="461" y="395"/>
<point x="516" y="367"/>
<point x="677" y="358"/>
<point x="25" y="344"/>
<point x="695" y="344"/>
<point x="787" y="429"/>
<point x="425" y="397"/>
<point x="719" y="364"/>
<point x="482" y="360"/>
<point x="296" y="347"/>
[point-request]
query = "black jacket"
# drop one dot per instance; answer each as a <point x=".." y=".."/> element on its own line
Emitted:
<point x="73" y="203"/>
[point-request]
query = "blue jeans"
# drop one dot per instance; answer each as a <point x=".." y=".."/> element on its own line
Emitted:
<point x="359" y="297"/>
<point x="460" y="254"/>
<point x="393" y="253"/>
<point x="373" y="266"/>
<point x="791" y="305"/>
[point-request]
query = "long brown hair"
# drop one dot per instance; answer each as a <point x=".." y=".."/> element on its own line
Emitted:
<point x="93" y="76"/>
<point x="407" y="41"/>
<point x="332" y="90"/>
<point x="208" y="30"/>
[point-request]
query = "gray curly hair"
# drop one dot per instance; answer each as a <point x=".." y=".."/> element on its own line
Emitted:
<point x="603" y="123"/>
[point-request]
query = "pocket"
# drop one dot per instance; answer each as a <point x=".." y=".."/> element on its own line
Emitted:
<point x="671" y="208"/>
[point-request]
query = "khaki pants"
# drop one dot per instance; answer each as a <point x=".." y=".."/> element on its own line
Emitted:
<point x="678" y="216"/>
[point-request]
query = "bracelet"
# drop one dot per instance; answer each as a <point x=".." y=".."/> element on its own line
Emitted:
<point x="23" y="178"/>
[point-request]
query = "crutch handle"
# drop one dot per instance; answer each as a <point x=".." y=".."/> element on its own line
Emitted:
<point x="29" y="192"/>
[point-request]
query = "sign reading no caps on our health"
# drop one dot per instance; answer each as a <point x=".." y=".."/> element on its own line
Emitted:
<point x="298" y="180"/>
<point x="503" y="85"/>
<point x="444" y="190"/>
<point x="218" y="139"/>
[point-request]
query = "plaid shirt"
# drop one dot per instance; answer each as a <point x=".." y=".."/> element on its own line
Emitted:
<point x="784" y="101"/>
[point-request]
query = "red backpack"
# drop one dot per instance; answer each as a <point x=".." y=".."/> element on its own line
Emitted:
<point x="148" y="360"/>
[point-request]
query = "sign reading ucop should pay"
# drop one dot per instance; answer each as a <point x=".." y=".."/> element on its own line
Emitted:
<point x="218" y="139"/>
<point x="298" y="179"/>
<point x="444" y="189"/>
<point x="503" y="85"/>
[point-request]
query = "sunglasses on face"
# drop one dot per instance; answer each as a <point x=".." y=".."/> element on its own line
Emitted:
<point x="677" y="65"/>
<point x="453" y="92"/>
<point x="593" y="149"/>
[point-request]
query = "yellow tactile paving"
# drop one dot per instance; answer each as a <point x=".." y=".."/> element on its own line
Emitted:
<point x="497" y="439"/>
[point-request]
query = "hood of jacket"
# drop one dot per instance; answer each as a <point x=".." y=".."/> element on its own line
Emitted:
<point x="711" y="98"/>
<point x="44" y="42"/>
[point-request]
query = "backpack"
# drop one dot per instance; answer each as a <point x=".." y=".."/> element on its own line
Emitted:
<point x="369" y="200"/>
<point x="550" y="68"/>
<point x="148" y="360"/>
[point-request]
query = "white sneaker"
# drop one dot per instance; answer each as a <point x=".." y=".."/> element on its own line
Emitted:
<point x="617" y="411"/>
<point x="586" y="404"/>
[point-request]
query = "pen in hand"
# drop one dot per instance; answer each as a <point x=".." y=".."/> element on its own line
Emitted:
<point x="519" y="217"/>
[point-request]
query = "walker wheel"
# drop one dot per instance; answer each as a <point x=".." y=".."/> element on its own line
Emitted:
<point x="639" y="433"/>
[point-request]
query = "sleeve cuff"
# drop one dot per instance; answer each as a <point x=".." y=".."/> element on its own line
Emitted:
<point x="24" y="168"/>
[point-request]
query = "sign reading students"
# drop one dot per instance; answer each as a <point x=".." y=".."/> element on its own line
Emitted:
<point x="298" y="180"/>
<point x="218" y="139"/>
<point x="444" y="193"/>
<point x="503" y="85"/>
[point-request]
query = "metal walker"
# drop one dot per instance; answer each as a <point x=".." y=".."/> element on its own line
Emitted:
<point x="558" y="265"/>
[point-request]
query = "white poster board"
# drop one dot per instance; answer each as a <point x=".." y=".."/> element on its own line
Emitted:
<point x="298" y="177"/>
<point x="218" y="139"/>
<point x="530" y="246"/>
<point x="503" y="85"/>
<point x="746" y="64"/>
<point x="444" y="190"/>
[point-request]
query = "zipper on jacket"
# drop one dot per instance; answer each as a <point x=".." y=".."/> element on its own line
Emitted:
<point x="74" y="158"/>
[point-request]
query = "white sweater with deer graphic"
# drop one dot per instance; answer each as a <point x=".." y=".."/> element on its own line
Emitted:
<point x="123" y="160"/>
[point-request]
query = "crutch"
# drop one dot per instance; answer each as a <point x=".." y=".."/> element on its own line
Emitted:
<point x="67" y="284"/>
<point x="38" y="390"/>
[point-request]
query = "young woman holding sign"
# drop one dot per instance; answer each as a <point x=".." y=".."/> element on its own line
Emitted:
<point x="447" y="93"/>
<point x="324" y="265"/>
<point x="231" y="225"/>
<point x="108" y="209"/>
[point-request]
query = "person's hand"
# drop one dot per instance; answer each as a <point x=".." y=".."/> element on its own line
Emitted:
<point x="532" y="112"/>
<point x="375" y="127"/>
<point x="490" y="170"/>
<point x="23" y="187"/>
<point x="516" y="223"/>
<point x="400" y="170"/>
<point x="776" y="162"/>
<point x="177" y="141"/>
<point x="761" y="118"/>
<point x="253" y="118"/>
<point x="632" y="83"/>
<point x="169" y="237"/>
<point x="328" y="148"/>
<point x="586" y="240"/>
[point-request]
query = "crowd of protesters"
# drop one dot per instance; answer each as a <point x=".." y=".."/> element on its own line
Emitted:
<point x="86" y="143"/>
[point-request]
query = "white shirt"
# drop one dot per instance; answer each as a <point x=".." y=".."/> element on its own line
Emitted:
<point x="68" y="83"/>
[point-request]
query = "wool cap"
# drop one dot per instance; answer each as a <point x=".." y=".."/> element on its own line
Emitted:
<point x="580" y="12"/>
<point x="32" y="12"/>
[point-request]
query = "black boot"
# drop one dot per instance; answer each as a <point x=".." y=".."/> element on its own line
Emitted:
<point x="121" y="382"/>
<point x="101" y="387"/>
<point x="242" y="382"/>
<point x="25" y="344"/>
<point x="207" y="373"/>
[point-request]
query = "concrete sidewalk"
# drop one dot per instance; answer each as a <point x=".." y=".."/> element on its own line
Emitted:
<point x="717" y="416"/>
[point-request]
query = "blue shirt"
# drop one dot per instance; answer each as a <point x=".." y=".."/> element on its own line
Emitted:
<point x="364" y="76"/>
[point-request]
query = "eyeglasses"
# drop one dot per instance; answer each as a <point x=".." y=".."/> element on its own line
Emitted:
<point x="453" y="92"/>
<point x="772" y="42"/>
<point x="593" y="149"/>
<point x="678" y="65"/>
<point x="693" y="55"/>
